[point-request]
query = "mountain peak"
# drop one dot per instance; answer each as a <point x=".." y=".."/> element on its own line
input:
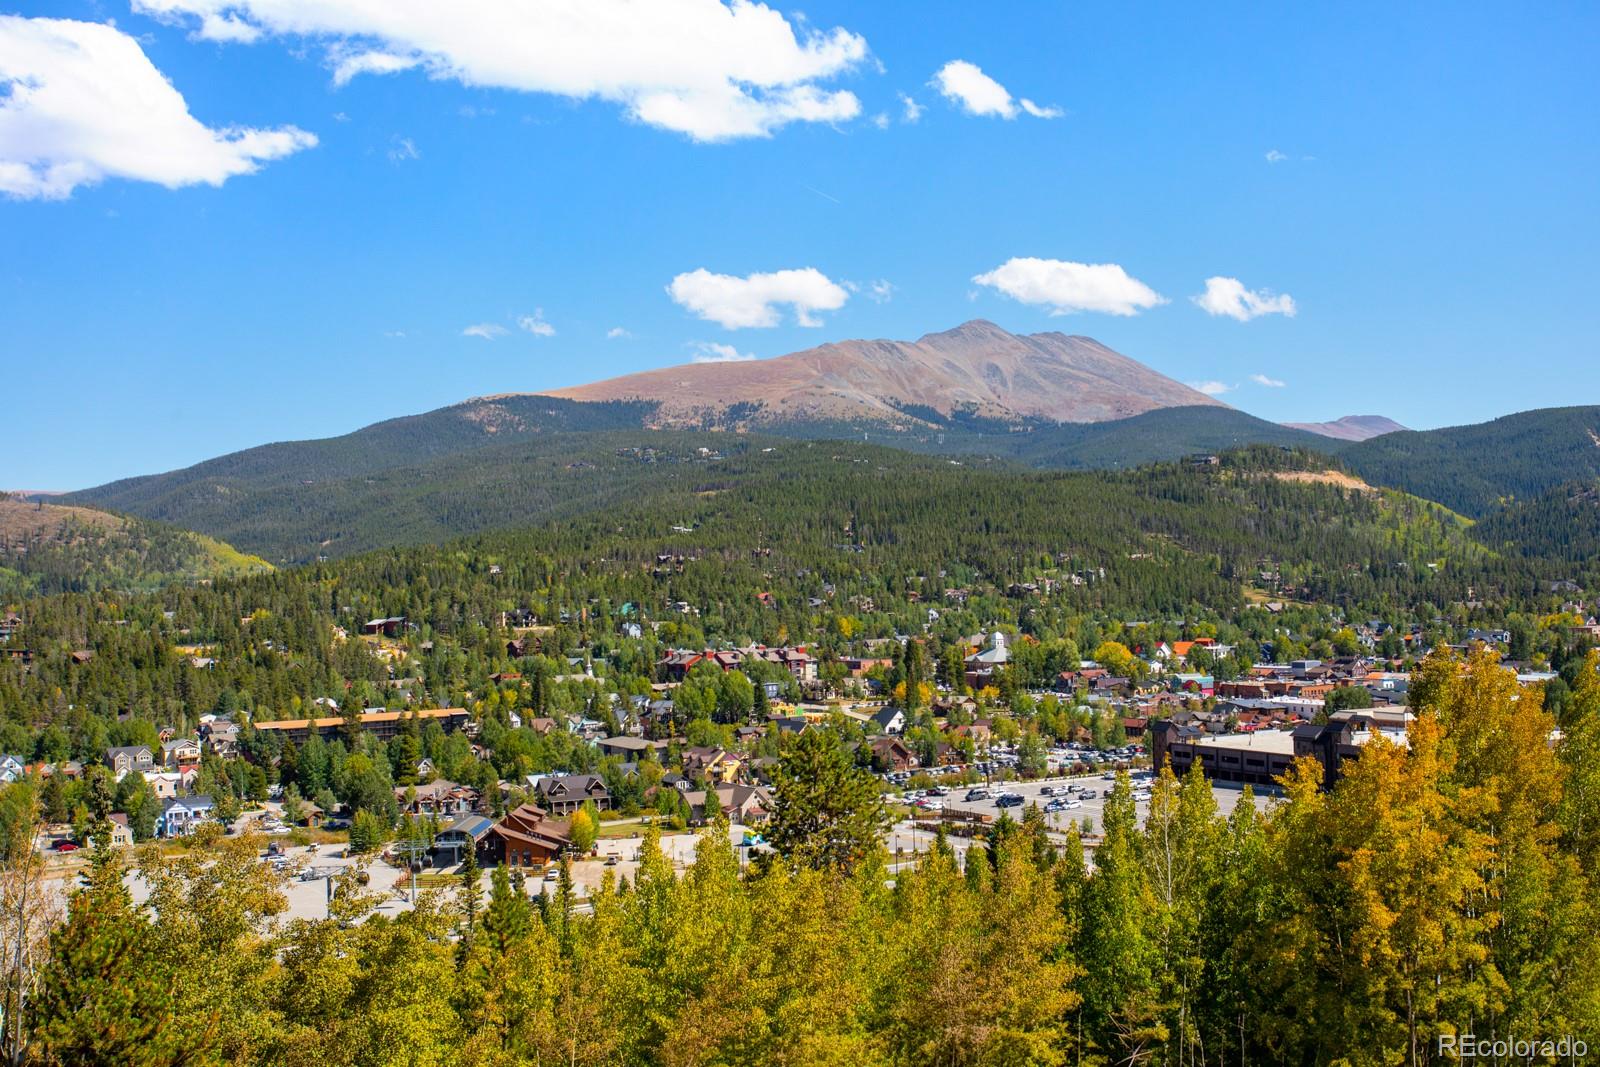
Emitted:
<point x="971" y="330"/>
<point x="1350" y="427"/>
<point x="977" y="367"/>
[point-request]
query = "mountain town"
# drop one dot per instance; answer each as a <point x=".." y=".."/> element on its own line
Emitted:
<point x="505" y="793"/>
<point x="696" y="533"/>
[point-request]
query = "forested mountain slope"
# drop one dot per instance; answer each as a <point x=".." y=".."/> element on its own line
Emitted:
<point x="50" y="548"/>
<point x="1561" y="523"/>
<point x="294" y="502"/>
<point x="178" y="496"/>
<point x="1471" y="468"/>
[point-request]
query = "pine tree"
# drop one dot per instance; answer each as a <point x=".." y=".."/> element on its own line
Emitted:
<point x="827" y="813"/>
<point x="105" y="995"/>
<point x="469" y="899"/>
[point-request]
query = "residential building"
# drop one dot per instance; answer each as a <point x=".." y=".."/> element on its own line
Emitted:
<point x="891" y="754"/>
<point x="179" y="753"/>
<point x="628" y="747"/>
<point x="121" y="832"/>
<point x="129" y="759"/>
<point x="744" y="804"/>
<point x="564" y="794"/>
<point x="180" y="815"/>
<point x="890" y="720"/>
<point x="438" y="798"/>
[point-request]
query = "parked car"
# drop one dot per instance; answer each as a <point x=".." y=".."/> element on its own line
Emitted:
<point x="977" y="794"/>
<point x="66" y="846"/>
<point x="1009" y="800"/>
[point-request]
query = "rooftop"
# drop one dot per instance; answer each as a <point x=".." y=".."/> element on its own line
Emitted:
<point x="1278" y="742"/>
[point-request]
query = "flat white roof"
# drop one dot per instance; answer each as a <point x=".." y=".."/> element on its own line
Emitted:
<point x="1276" y="742"/>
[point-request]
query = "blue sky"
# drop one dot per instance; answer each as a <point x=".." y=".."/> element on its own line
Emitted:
<point x="1421" y="183"/>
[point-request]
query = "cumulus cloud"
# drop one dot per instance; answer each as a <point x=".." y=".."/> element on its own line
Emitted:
<point x="1211" y="388"/>
<point x="735" y="303"/>
<point x="1228" y="296"/>
<point x="910" y="110"/>
<point x="80" y="102"/>
<point x="617" y="333"/>
<point x="968" y="87"/>
<point x="488" y="331"/>
<point x="880" y="291"/>
<point x="1275" y="156"/>
<point x="711" y="69"/>
<point x="535" y="324"/>
<point x="1270" y="383"/>
<point x="1065" y="287"/>
<point x="712" y="352"/>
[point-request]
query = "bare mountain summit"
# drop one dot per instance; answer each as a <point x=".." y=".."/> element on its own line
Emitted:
<point x="1350" y="428"/>
<point x="977" y="368"/>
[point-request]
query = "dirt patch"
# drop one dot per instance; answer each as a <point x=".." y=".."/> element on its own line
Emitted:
<point x="1342" y="480"/>
<point x="21" y="521"/>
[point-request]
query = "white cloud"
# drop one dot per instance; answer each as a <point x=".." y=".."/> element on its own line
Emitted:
<point x="535" y="324"/>
<point x="967" y="86"/>
<point x="881" y="120"/>
<point x="710" y="69"/>
<point x="617" y="333"/>
<point x="911" y="111"/>
<point x="880" y="291"/>
<point x="711" y="352"/>
<point x="1270" y="383"/>
<point x="226" y="28"/>
<point x="486" y="330"/>
<point x="350" y="65"/>
<point x="1275" y="156"/>
<point x="1066" y="287"/>
<point x="80" y="102"/>
<point x="734" y="302"/>
<point x="1211" y="388"/>
<point x="1228" y="296"/>
<point x="403" y="149"/>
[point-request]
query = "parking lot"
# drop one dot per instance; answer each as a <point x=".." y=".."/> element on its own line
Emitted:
<point x="1077" y="799"/>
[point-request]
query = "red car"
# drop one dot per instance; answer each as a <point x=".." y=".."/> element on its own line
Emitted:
<point x="66" y="846"/>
